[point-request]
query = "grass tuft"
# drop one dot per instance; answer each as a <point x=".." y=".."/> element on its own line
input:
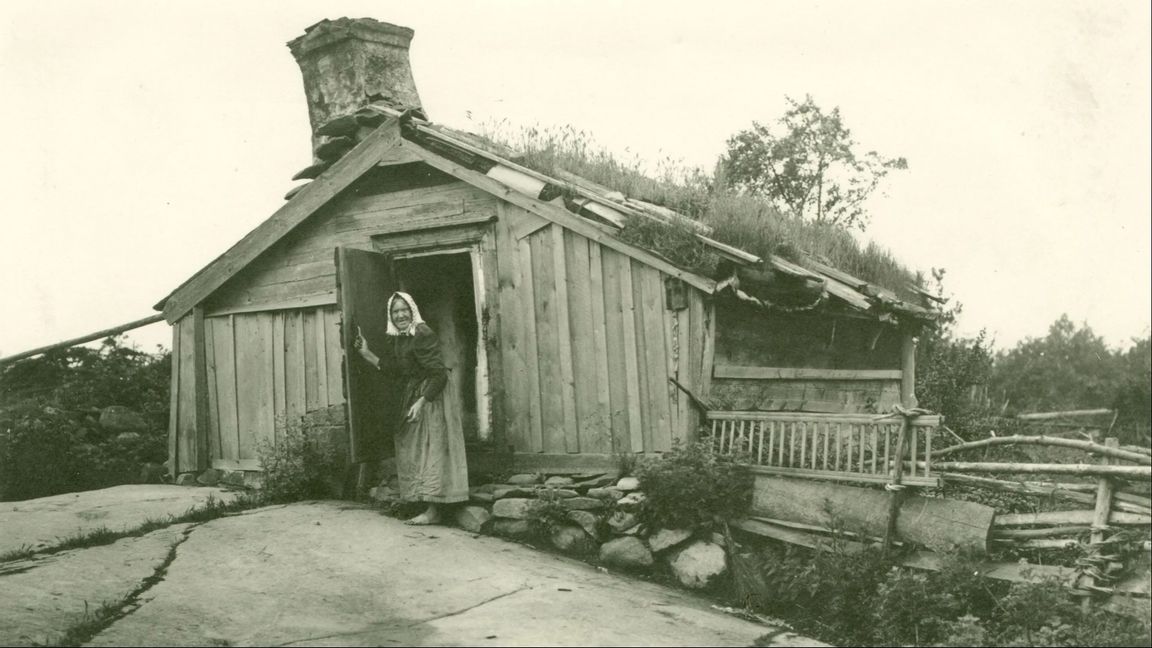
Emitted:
<point x="745" y="221"/>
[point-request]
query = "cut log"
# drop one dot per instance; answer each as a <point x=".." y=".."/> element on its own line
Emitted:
<point x="936" y="523"/>
<point x="1094" y="470"/>
<point x="1047" y="416"/>
<point x="1071" y="492"/>
<point x="1068" y="517"/>
<point x="1050" y="532"/>
<point x="108" y="332"/>
<point x="1089" y="446"/>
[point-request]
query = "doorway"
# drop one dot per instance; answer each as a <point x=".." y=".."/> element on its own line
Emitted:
<point x="444" y="287"/>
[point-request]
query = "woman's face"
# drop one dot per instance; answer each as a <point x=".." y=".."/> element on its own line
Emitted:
<point x="401" y="314"/>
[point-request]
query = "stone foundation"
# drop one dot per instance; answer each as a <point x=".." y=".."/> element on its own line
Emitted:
<point x="601" y="522"/>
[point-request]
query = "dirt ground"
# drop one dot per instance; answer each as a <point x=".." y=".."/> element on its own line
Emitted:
<point x="326" y="573"/>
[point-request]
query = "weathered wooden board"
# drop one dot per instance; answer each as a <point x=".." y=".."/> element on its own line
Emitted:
<point x="602" y="440"/>
<point x="531" y="355"/>
<point x="224" y="354"/>
<point x="936" y="523"/>
<point x="313" y="398"/>
<point x="564" y="341"/>
<point x="333" y="356"/>
<point x="548" y="341"/>
<point x="514" y="374"/>
<point x="294" y="393"/>
<point x="618" y="375"/>
<point x="580" y="313"/>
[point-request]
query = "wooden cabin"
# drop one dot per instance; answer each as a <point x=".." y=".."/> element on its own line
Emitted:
<point x="566" y="344"/>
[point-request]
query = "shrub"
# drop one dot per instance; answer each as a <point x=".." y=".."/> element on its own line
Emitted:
<point x="547" y="514"/>
<point x="298" y="466"/>
<point x="691" y="487"/>
<point x="50" y="438"/>
<point x="863" y="597"/>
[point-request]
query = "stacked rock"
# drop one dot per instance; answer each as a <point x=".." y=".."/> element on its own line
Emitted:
<point x="603" y="514"/>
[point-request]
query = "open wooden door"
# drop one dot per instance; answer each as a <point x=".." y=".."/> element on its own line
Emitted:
<point x="364" y="280"/>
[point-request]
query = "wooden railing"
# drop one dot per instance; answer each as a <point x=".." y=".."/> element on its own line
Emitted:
<point x="846" y="447"/>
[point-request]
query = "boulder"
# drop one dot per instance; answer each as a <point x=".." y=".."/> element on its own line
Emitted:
<point x="597" y="481"/>
<point x="632" y="500"/>
<point x="559" y="481"/>
<point x="667" y="538"/>
<point x="628" y="484"/>
<point x="621" y="521"/>
<point x="186" y="479"/>
<point x="628" y="552"/>
<point x="511" y="528"/>
<point x="128" y="437"/>
<point x="524" y="480"/>
<point x="588" y="521"/>
<point x="481" y="496"/>
<point x="209" y="477"/>
<point x="234" y="478"/>
<point x="571" y="540"/>
<point x="605" y="493"/>
<point x="500" y="492"/>
<point x="698" y="564"/>
<point x="472" y="518"/>
<point x="582" y="503"/>
<point x="515" y="508"/>
<point x="557" y="493"/>
<point x="117" y="418"/>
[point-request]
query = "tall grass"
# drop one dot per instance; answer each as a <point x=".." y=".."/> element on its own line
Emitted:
<point x="745" y="221"/>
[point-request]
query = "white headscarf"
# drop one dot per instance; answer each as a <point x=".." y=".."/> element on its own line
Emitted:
<point x="416" y="319"/>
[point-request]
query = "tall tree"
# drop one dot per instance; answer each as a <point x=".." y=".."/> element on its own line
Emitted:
<point x="811" y="169"/>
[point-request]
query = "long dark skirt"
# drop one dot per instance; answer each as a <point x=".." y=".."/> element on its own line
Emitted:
<point x="430" y="462"/>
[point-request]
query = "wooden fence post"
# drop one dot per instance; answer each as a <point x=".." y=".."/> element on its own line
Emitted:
<point x="1100" y="518"/>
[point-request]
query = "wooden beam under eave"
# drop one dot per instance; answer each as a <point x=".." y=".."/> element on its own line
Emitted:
<point x="313" y="196"/>
<point x="908" y="371"/>
<point x="558" y="215"/>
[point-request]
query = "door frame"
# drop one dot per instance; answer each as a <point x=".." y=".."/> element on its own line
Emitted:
<point x="472" y="241"/>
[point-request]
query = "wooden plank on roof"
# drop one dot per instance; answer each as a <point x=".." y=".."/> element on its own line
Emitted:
<point x="560" y="216"/>
<point x="837" y="274"/>
<point x="787" y="267"/>
<point x="804" y="373"/>
<point x="729" y="252"/>
<point x="847" y="294"/>
<point x="314" y="195"/>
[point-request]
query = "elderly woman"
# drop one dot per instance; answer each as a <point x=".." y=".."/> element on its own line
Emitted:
<point x="430" y="462"/>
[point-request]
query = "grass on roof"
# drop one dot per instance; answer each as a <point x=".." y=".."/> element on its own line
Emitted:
<point x="747" y="222"/>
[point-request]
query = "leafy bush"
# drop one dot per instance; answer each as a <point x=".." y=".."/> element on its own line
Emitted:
<point x="691" y="487"/>
<point x="50" y="438"/>
<point x="863" y="598"/>
<point x="547" y="514"/>
<point x="298" y="466"/>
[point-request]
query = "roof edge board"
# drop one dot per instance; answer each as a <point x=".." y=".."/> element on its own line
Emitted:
<point x="306" y="202"/>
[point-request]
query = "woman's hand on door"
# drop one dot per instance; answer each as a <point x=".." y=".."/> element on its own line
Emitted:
<point x="361" y="346"/>
<point x="414" y="411"/>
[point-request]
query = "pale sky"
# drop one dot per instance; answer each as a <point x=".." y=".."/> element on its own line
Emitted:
<point x="144" y="138"/>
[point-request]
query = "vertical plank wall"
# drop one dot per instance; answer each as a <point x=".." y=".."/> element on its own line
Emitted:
<point x="265" y="370"/>
<point x="588" y="345"/>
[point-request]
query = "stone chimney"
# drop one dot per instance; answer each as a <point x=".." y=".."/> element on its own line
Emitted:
<point x="348" y="63"/>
